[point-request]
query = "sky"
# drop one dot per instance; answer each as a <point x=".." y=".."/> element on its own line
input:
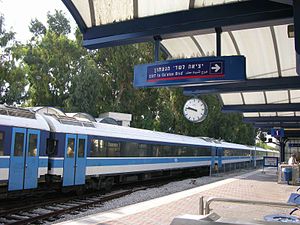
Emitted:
<point x="18" y="14"/>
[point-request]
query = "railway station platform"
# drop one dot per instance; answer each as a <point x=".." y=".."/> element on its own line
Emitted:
<point x="253" y="185"/>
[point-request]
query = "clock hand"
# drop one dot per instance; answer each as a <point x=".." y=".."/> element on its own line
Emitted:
<point x="190" y="108"/>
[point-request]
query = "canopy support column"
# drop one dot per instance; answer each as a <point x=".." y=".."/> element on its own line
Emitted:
<point x="296" y="4"/>
<point x="157" y="40"/>
<point x="218" y="40"/>
<point x="282" y="143"/>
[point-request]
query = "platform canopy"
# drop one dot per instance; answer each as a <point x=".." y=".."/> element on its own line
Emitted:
<point x="257" y="29"/>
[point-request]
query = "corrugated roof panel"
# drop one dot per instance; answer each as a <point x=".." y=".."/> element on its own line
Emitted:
<point x="257" y="46"/>
<point x="111" y="11"/>
<point x="84" y="9"/>
<point x="155" y="7"/>
<point x="207" y="43"/>
<point x="295" y="96"/>
<point x="250" y="114"/>
<point x="285" y="113"/>
<point x="254" y="98"/>
<point x="232" y="98"/>
<point x="182" y="47"/>
<point x="286" y="49"/>
<point x="267" y="114"/>
<point x="277" y="97"/>
<point x="203" y="3"/>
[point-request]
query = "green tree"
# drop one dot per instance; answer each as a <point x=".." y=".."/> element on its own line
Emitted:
<point x="52" y="61"/>
<point x="12" y="75"/>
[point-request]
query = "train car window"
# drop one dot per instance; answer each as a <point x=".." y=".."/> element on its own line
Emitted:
<point x="142" y="149"/>
<point x="98" y="148"/>
<point x="33" y="140"/>
<point x="70" y="148"/>
<point x="51" y="147"/>
<point x="130" y="149"/>
<point x="19" y="144"/>
<point x="113" y="149"/>
<point x="166" y="151"/>
<point x="81" y="146"/>
<point x="155" y="150"/>
<point x="1" y="143"/>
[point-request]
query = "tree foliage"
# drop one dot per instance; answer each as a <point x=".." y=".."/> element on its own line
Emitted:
<point x="12" y="76"/>
<point x="61" y="73"/>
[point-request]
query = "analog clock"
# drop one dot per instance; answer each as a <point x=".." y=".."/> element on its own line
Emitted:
<point x="195" y="110"/>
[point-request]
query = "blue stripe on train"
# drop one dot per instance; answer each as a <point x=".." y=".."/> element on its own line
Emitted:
<point x="137" y="161"/>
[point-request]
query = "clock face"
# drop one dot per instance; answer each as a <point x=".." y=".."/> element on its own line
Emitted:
<point x="195" y="110"/>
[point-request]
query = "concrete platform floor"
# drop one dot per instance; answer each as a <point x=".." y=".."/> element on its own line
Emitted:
<point x="161" y="211"/>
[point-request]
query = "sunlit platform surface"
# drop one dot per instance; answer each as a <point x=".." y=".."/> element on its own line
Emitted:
<point x="249" y="186"/>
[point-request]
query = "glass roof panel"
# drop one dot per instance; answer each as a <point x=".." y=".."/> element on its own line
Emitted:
<point x="257" y="46"/>
<point x="295" y="96"/>
<point x="250" y="114"/>
<point x="111" y="11"/>
<point x="286" y="49"/>
<point x="267" y="114"/>
<point x="277" y="97"/>
<point x="84" y="9"/>
<point x="297" y="113"/>
<point x="232" y="98"/>
<point x="285" y="113"/>
<point x="155" y="7"/>
<point x="254" y="97"/>
<point x="182" y="47"/>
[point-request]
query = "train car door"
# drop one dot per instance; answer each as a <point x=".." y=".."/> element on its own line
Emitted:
<point x="220" y="153"/>
<point x="75" y="160"/>
<point x="69" y="160"/>
<point x="23" y="168"/>
<point x="80" y="162"/>
<point x="32" y="159"/>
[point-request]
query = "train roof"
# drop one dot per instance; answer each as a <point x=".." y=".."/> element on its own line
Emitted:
<point x="114" y="131"/>
<point x="48" y="118"/>
<point x="19" y="117"/>
<point x="60" y="124"/>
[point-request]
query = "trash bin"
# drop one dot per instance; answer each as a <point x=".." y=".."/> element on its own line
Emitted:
<point x="287" y="173"/>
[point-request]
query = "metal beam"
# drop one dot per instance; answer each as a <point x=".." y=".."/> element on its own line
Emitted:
<point x="262" y="108"/>
<point x="271" y="119"/>
<point x="249" y="85"/>
<point x="76" y="15"/>
<point x="232" y="16"/>
<point x="288" y="2"/>
<point x="271" y="125"/>
<point x="296" y="4"/>
<point x="292" y="133"/>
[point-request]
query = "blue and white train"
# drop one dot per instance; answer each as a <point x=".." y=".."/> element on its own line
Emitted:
<point x="42" y="147"/>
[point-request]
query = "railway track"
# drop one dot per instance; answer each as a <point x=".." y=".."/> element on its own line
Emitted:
<point x="52" y="211"/>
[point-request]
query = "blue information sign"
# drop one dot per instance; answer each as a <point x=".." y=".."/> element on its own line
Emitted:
<point x="277" y="132"/>
<point x="190" y="71"/>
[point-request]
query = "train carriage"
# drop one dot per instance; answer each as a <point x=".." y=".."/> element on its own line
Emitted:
<point x="23" y="158"/>
<point x="79" y="152"/>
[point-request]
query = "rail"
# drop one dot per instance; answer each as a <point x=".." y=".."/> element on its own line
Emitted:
<point x="204" y="209"/>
